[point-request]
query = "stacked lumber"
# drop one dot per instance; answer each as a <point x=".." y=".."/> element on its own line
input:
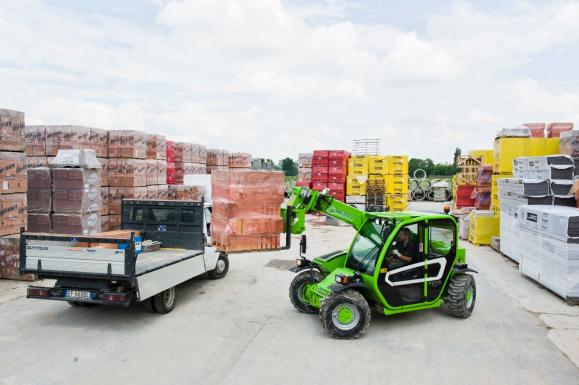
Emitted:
<point x="246" y="210"/>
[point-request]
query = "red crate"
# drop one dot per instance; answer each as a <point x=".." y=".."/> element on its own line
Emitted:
<point x="171" y="173"/>
<point x="320" y="162"/>
<point x="170" y="151"/>
<point x="320" y="178"/>
<point x="319" y="169"/>
<point x="338" y="187"/>
<point x="338" y="171"/>
<point x="338" y="195"/>
<point x="338" y="162"/>
<point x="339" y="154"/>
<point x="333" y="178"/>
<point x="319" y="186"/>
<point x="321" y="153"/>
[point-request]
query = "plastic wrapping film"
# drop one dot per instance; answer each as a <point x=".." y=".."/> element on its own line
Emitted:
<point x="569" y="143"/>
<point x="152" y="172"/>
<point x="85" y="158"/>
<point x="127" y="144"/>
<point x="10" y="259"/>
<point x="156" y="148"/>
<point x="99" y="142"/>
<point x="12" y="213"/>
<point x="35" y="140"/>
<point x="202" y="154"/>
<point x="179" y="152"/>
<point x="554" y="130"/>
<point x="39" y="194"/>
<point x="463" y="227"/>
<point x="246" y="209"/>
<point x="485" y="174"/>
<point x="195" y="153"/>
<point x="12" y="173"/>
<point x="553" y="221"/>
<point x="305" y="160"/>
<point x="240" y="160"/>
<point x="194" y="168"/>
<point x="551" y="262"/>
<point x="71" y="200"/>
<point x="509" y="234"/>
<point x="517" y="132"/>
<point x="105" y="200"/>
<point x="187" y="193"/>
<point x="161" y="172"/>
<point x="179" y="172"/>
<point x="127" y="172"/>
<point x="36" y="161"/>
<point x="216" y="157"/>
<point x="170" y="172"/>
<point x="66" y="137"/>
<point x="105" y="223"/>
<point x="153" y="192"/>
<point x="104" y="171"/>
<point x="211" y="169"/>
<point x="11" y="130"/>
<point x="537" y="129"/>
<point x="170" y="151"/>
<point x="88" y="223"/>
<point x="163" y="191"/>
<point x="544" y="167"/>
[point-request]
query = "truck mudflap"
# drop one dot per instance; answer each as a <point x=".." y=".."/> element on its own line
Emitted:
<point x="76" y="295"/>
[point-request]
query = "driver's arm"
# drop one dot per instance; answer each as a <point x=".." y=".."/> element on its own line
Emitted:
<point x="404" y="258"/>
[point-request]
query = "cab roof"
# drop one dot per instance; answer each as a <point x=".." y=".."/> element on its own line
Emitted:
<point x="408" y="215"/>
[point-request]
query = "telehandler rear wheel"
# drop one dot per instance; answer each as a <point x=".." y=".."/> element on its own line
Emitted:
<point x="298" y="286"/>
<point x="461" y="296"/>
<point x="345" y="315"/>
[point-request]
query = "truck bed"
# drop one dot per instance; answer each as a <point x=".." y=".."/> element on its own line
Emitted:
<point x="153" y="260"/>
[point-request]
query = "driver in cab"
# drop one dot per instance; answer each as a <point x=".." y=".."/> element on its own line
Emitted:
<point x="404" y="252"/>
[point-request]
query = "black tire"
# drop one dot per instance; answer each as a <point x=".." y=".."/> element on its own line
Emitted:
<point x="461" y="296"/>
<point x="221" y="268"/>
<point x="345" y="315"/>
<point x="298" y="284"/>
<point x="149" y="305"/>
<point x="164" y="302"/>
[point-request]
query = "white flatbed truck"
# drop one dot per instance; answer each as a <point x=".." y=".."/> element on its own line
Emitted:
<point x="114" y="272"/>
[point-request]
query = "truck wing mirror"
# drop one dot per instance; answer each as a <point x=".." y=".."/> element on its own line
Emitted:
<point x="303" y="244"/>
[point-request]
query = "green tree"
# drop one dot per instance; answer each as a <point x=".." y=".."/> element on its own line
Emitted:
<point x="289" y="167"/>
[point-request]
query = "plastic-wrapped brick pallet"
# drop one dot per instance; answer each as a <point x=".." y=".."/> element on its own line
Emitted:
<point x="10" y="259"/>
<point x="246" y="210"/>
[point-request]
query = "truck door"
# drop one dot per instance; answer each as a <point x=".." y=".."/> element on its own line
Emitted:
<point x="401" y="282"/>
<point x="441" y="253"/>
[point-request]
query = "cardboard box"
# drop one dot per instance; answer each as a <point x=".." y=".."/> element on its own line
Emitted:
<point x="12" y="173"/>
<point x="11" y="130"/>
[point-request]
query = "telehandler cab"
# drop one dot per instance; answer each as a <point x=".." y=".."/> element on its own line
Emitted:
<point x="343" y="285"/>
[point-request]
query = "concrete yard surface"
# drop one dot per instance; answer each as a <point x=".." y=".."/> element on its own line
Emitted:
<point x="243" y="330"/>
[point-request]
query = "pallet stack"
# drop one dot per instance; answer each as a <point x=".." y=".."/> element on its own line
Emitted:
<point x="330" y="170"/>
<point x="246" y="210"/>
<point x="239" y="161"/>
<point x="356" y="182"/>
<point x="482" y="190"/>
<point x="305" y="170"/>
<point x="217" y="160"/>
<point x="12" y="191"/>
<point x="397" y="182"/>
<point x="195" y="158"/>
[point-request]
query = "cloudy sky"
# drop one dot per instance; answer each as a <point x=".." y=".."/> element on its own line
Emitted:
<point x="278" y="77"/>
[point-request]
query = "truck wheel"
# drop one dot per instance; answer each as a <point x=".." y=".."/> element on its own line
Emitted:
<point x="345" y="315"/>
<point x="221" y="268"/>
<point x="298" y="286"/>
<point x="164" y="302"/>
<point x="461" y="296"/>
<point x="149" y="304"/>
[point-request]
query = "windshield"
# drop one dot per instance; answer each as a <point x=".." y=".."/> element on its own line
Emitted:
<point x="368" y="244"/>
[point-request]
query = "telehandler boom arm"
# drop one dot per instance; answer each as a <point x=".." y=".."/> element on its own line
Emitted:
<point x="304" y="200"/>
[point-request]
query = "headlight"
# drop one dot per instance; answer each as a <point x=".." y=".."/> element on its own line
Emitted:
<point x="298" y="262"/>
<point x="343" y="279"/>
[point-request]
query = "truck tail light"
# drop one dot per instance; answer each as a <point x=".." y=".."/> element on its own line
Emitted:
<point x="114" y="297"/>
<point x="37" y="292"/>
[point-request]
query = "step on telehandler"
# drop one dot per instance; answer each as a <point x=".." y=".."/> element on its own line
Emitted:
<point x="398" y="262"/>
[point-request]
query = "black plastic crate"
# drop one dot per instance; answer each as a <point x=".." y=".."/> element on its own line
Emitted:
<point x="176" y="224"/>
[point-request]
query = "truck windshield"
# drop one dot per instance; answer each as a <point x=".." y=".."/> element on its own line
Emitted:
<point x="368" y="244"/>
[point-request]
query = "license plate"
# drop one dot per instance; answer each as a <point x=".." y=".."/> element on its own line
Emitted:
<point x="77" y="294"/>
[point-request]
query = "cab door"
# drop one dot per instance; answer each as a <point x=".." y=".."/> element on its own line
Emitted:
<point x="441" y="254"/>
<point x="404" y="283"/>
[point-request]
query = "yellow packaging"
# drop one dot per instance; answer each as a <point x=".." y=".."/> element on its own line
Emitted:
<point x="496" y="207"/>
<point x="551" y="146"/>
<point x="397" y="164"/>
<point x="535" y="147"/>
<point x="505" y="151"/>
<point x="358" y="166"/>
<point x="377" y="165"/>
<point x="397" y="184"/>
<point x="378" y="177"/>
<point x="482" y="228"/>
<point x="397" y="202"/>
<point x="356" y="185"/>
<point x="486" y="156"/>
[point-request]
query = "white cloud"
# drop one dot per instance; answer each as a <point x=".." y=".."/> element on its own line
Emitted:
<point x="277" y="79"/>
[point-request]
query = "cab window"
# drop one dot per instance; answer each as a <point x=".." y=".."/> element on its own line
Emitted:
<point x="442" y="234"/>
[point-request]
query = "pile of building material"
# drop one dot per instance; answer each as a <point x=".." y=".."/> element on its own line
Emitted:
<point x="305" y="170"/>
<point x="245" y="212"/>
<point x="217" y="160"/>
<point x="378" y="182"/>
<point x="239" y="161"/>
<point x="482" y="190"/>
<point x="329" y="170"/>
<point x="548" y="248"/>
<point x="12" y="191"/>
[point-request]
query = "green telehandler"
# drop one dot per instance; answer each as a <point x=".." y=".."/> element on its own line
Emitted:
<point x="398" y="262"/>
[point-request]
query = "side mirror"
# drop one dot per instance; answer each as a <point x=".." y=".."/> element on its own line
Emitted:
<point x="303" y="244"/>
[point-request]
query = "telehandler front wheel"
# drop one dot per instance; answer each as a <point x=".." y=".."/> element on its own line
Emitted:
<point x="345" y="315"/>
<point x="461" y="296"/>
<point x="298" y="287"/>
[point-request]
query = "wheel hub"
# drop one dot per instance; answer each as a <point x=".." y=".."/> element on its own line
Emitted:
<point x="220" y="267"/>
<point x="345" y="316"/>
<point x="468" y="297"/>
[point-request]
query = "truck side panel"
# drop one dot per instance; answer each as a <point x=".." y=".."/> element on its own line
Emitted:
<point x="164" y="278"/>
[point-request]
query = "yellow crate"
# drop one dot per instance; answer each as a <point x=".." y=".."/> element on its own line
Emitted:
<point x="397" y="164"/>
<point x="551" y="146"/>
<point x="358" y="166"/>
<point x="377" y="165"/>
<point x="397" y="184"/>
<point x="356" y="185"/>
<point x="505" y="151"/>
<point x="482" y="228"/>
<point x="535" y="147"/>
<point x="397" y="202"/>
<point x="486" y="156"/>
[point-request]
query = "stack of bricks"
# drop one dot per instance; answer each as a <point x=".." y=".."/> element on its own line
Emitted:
<point x="217" y="160"/>
<point x="329" y="170"/>
<point x="127" y="171"/>
<point x="246" y="210"/>
<point x="12" y="191"/>
<point x="305" y="170"/>
<point x="156" y="170"/>
<point x="240" y="161"/>
<point x="39" y="199"/>
<point x="195" y="159"/>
